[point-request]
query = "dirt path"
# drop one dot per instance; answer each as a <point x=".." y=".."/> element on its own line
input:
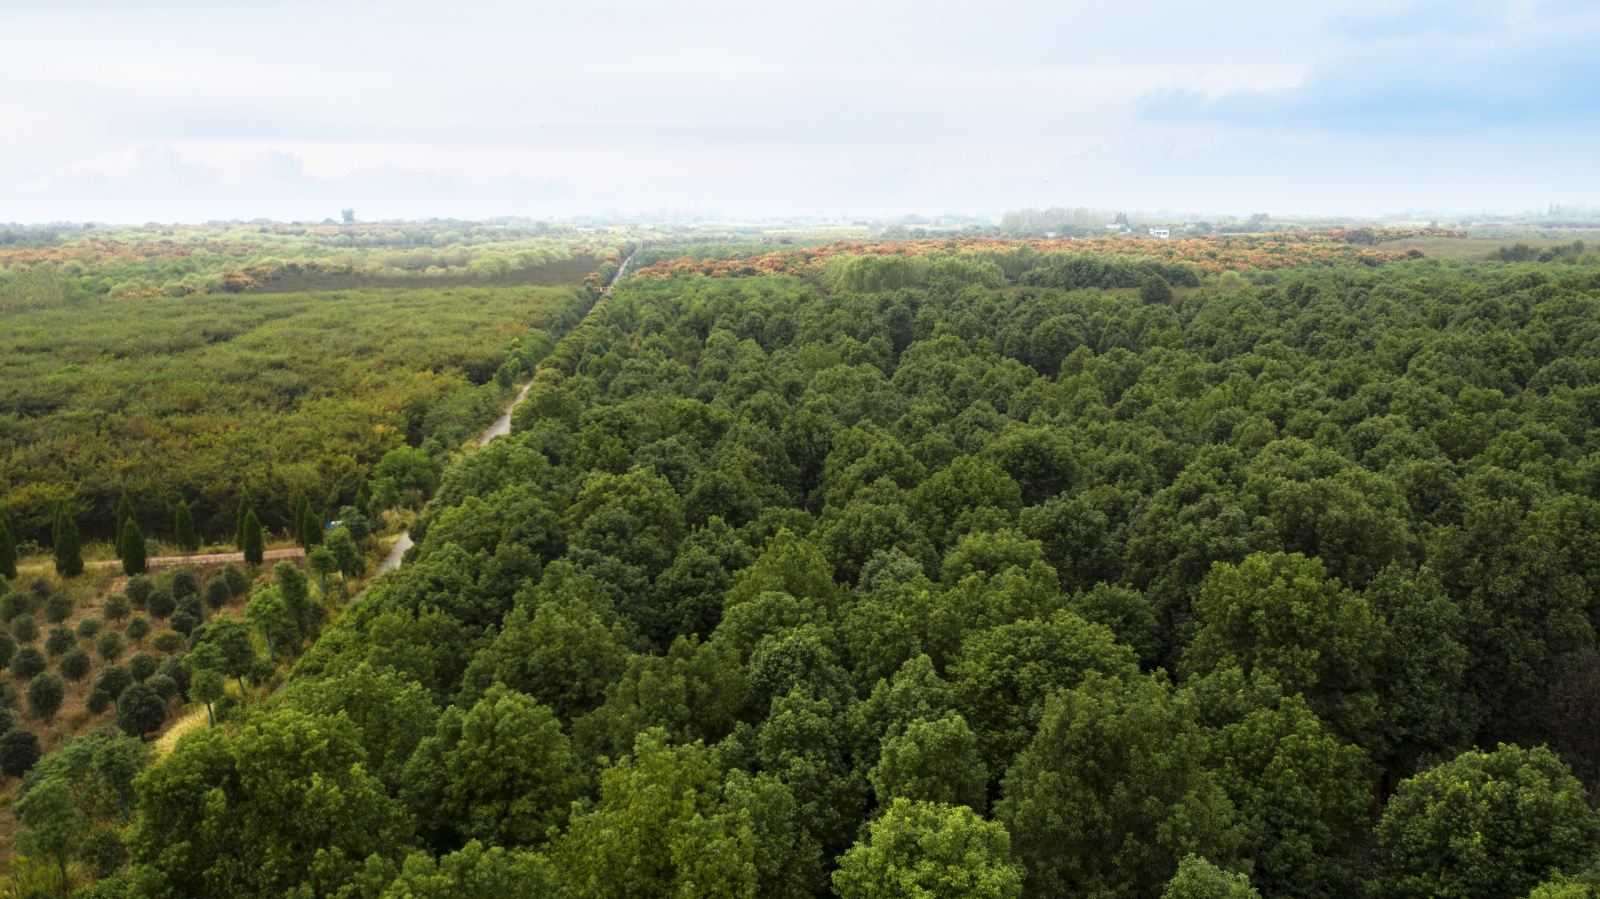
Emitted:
<point x="271" y="555"/>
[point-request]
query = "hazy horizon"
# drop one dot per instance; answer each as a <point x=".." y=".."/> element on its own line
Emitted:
<point x="183" y="111"/>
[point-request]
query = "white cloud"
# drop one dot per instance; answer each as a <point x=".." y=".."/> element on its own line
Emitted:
<point x="186" y="110"/>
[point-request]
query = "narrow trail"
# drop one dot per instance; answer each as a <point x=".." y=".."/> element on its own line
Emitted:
<point x="500" y="428"/>
<point x="197" y="717"/>
<point x="271" y="555"/>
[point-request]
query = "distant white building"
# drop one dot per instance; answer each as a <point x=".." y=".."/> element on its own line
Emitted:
<point x="1161" y="232"/>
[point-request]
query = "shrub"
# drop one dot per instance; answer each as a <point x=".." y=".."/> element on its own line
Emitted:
<point x="88" y="627"/>
<point x="45" y="695"/>
<point x="74" y="666"/>
<point x="140" y="710"/>
<point x="184" y="583"/>
<point x="161" y="603"/>
<point x="14" y="604"/>
<point x="138" y="590"/>
<point x="40" y="590"/>
<point x="168" y="641"/>
<point x="98" y="701"/>
<point x="113" y="680"/>
<point x="138" y="628"/>
<point x="110" y="645"/>
<point x="60" y="640"/>
<point x="217" y="593"/>
<point x="8" y="648"/>
<point x="58" y="608"/>
<point x="23" y="628"/>
<point x="142" y="665"/>
<point x="164" y="685"/>
<point x="116" y="607"/>
<point x="19" y="750"/>
<point x="27" y="663"/>
<point x="238" y="583"/>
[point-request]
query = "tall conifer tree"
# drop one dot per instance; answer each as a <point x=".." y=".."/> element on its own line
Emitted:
<point x="251" y="541"/>
<point x="124" y="515"/>
<point x="132" y="543"/>
<point x="69" y="555"/>
<point x="238" y="521"/>
<point x="183" y="528"/>
<point x="8" y="548"/>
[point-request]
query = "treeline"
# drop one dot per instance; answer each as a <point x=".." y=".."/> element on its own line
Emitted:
<point x="197" y="400"/>
<point x="965" y="591"/>
<point x="123" y="262"/>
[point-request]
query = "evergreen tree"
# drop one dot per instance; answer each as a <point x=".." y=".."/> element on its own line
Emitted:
<point x="364" y="499"/>
<point x="251" y="539"/>
<point x="69" y="556"/>
<point x="183" y="528"/>
<point x="8" y="548"/>
<point x="245" y="509"/>
<point x="131" y="543"/>
<point x="124" y="515"/>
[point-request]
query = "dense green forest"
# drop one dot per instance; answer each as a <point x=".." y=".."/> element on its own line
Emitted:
<point x="180" y="395"/>
<point x="1283" y="586"/>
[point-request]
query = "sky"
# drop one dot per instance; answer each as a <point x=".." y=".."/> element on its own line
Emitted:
<point x="192" y="110"/>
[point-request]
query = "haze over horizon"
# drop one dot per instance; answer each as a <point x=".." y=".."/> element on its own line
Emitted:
<point x="184" y="111"/>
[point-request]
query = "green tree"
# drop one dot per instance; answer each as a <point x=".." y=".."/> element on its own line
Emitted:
<point x="393" y="714"/>
<point x="1281" y="615"/>
<point x="28" y="663"/>
<point x="503" y="772"/>
<point x="659" y="831"/>
<point x="60" y="639"/>
<point x="74" y="666"/>
<point x="110" y="645"/>
<point x="131" y="544"/>
<point x="932" y="761"/>
<point x="19" y="750"/>
<point x="53" y="824"/>
<point x="217" y="593"/>
<point x="565" y="655"/>
<point x="1138" y="800"/>
<point x="1302" y="795"/>
<point x="473" y="870"/>
<point x="116" y="607"/>
<point x="283" y="807"/>
<point x="8" y="548"/>
<point x="929" y="850"/>
<point x="68" y="555"/>
<point x="140" y="710"/>
<point x="322" y="563"/>
<point x="1200" y="879"/>
<point x="45" y="694"/>
<point x="1004" y="675"/>
<point x="125" y="514"/>
<point x="183" y="528"/>
<point x="1486" y="824"/>
<point x="137" y="629"/>
<point x="240" y="527"/>
<point x="208" y="687"/>
<point x="113" y="680"/>
<point x="1155" y="290"/>
<point x="250" y="543"/>
<point x="347" y="557"/>
<point x="24" y="629"/>
<point x="1426" y="702"/>
<point x="235" y="653"/>
<point x="269" y="616"/>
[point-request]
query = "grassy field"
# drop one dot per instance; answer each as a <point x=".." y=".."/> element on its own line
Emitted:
<point x="1468" y="249"/>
